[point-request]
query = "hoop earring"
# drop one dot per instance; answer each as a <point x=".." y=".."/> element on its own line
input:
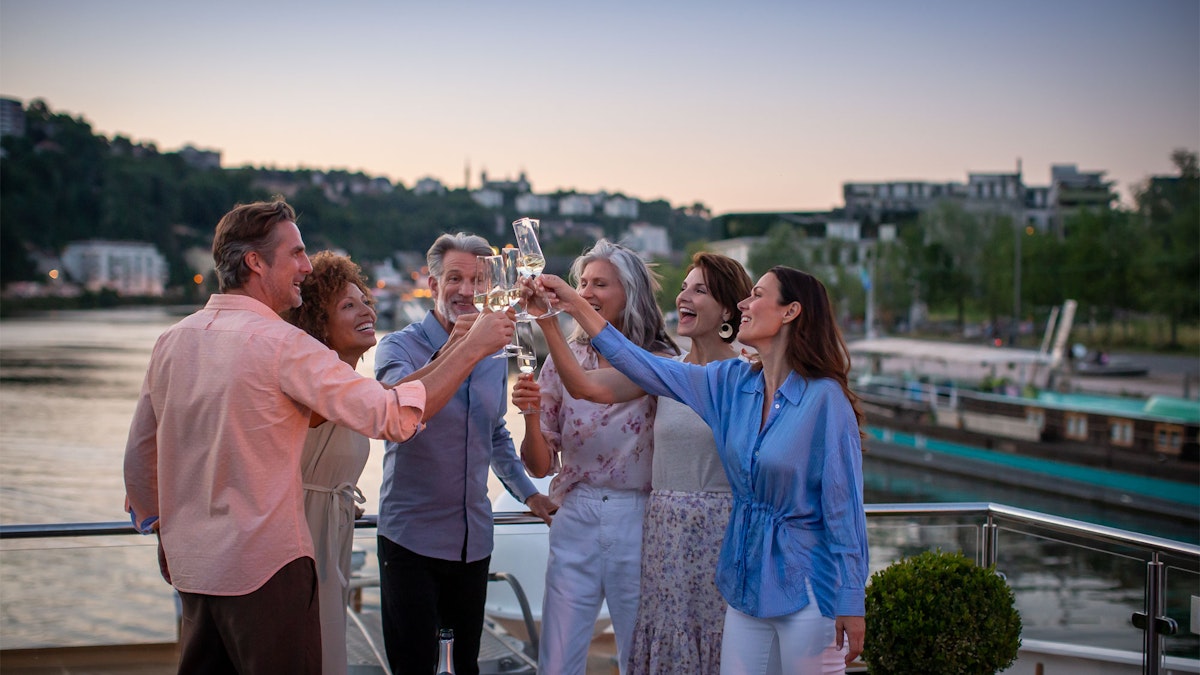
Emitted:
<point x="725" y="331"/>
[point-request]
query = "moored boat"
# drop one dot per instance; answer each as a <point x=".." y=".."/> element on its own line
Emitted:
<point x="997" y="404"/>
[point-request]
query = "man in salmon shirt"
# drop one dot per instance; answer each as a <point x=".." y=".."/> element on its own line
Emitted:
<point x="212" y="464"/>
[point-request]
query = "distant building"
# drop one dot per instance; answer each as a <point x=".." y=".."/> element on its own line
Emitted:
<point x="648" y="240"/>
<point x="1043" y="207"/>
<point x="896" y="200"/>
<point x="737" y="248"/>
<point x="1000" y="193"/>
<point x="536" y="204"/>
<point x="12" y="117"/>
<point x="621" y="207"/>
<point x="129" y="268"/>
<point x="575" y="205"/>
<point x="518" y="186"/>
<point x="429" y="186"/>
<point x="1037" y="208"/>
<point x="200" y="159"/>
<point x="554" y="229"/>
<point x="488" y="198"/>
<point x="1072" y="191"/>
<point x="845" y="230"/>
<point x="380" y="185"/>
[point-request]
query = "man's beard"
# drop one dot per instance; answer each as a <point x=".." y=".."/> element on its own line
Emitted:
<point x="448" y="311"/>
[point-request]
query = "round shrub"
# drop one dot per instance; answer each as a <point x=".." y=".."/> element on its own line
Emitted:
<point x="940" y="613"/>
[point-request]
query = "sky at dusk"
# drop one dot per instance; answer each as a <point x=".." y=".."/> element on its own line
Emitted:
<point x="746" y="106"/>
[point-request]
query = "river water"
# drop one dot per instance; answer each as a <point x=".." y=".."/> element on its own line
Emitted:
<point x="68" y="385"/>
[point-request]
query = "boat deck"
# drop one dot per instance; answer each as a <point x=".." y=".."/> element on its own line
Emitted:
<point x="498" y="654"/>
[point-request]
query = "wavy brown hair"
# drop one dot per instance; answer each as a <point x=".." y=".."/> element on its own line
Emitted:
<point x="728" y="284"/>
<point x="331" y="272"/>
<point x="248" y="227"/>
<point x="815" y="346"/>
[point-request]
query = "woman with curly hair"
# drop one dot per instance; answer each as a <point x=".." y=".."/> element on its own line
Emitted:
<point x="339" y="311"/>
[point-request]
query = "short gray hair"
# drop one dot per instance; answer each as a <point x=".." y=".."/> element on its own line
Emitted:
<point x="467" y="243"/>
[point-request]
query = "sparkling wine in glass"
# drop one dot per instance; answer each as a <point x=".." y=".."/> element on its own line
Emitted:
<point x="499" y="297"/>
<point x="512" y="262"/>
<point x="533" y="261"/>
<point x="480" y="283"/>
<point x="527" y="363"/>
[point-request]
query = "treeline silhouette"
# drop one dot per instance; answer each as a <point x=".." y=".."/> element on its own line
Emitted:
<point x="61" y="182"/>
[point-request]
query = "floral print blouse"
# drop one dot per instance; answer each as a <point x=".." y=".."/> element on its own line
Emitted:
<point x="602" y="445"/>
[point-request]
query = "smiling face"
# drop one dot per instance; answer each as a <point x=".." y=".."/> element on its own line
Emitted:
<point x="763" y="318"/>
<point x="350" y="328"/>
<point x="454" y="290"/>
<point x="699" y="311"/>
<point x="600" y="286"/>
<point x="287" y="267"/>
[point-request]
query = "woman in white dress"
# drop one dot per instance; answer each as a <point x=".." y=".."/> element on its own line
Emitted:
<point x="339" y="311"/>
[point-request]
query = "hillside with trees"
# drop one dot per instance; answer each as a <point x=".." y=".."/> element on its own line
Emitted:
<point x="61" y="182"/>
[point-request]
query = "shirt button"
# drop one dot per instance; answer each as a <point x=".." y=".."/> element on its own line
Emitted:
<point x="777" y="406"/>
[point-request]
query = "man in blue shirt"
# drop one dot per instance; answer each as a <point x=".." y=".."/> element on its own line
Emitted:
<point x="435" y="520"/>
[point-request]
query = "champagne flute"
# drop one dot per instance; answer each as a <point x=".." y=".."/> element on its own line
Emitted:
<point x="499" y="298"/>
<point x="480" y="283"/>
<point x="512" y="274"/>
<point x="527" y="363"/>
<point x="533" y="261"/>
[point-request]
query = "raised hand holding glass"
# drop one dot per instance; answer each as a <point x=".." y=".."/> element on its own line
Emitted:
<point x="533" y="261"/>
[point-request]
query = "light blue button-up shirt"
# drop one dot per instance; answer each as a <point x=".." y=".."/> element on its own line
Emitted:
<point x="797" y="480"/>
<point x="434" y="497"/>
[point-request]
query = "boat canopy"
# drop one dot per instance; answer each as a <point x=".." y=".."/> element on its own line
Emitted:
<point x="947" y="352"/>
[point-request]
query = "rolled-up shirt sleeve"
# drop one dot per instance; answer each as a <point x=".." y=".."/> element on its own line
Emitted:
<point x="312" y="374"/>
<point x="141" y="464"/>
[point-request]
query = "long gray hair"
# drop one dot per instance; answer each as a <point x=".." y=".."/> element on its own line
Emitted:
<point x="641" y="321"/>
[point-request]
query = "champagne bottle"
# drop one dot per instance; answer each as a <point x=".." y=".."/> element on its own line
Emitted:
<point x="445" y="652"/>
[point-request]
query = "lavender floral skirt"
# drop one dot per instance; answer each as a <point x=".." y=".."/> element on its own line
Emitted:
<point x="680" y="615"/>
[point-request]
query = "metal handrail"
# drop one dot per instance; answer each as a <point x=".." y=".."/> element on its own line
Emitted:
<point x="1110" y="535"/>
<point x="1059" y="524"/>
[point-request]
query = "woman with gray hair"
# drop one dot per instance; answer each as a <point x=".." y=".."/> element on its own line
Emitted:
<point x="601" y="456"/>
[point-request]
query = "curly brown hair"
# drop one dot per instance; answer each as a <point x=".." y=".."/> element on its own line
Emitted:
<point x="330" y="274"/>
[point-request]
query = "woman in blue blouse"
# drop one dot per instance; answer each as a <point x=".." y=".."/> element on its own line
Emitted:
<point x="793" y="565"/>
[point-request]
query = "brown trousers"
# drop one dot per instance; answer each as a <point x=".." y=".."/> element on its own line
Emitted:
<point x="273" y="630"/>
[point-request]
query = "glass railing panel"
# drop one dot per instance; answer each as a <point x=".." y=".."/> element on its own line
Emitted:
<point x="894" y="537"/>
<point x="1183" y="605"/>
<point x="1072" y="591"/>
<point x="84" y="591"/>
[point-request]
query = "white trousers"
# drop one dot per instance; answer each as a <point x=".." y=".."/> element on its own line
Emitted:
<point x="595" y="555"/>
<point x="795" y="644"/>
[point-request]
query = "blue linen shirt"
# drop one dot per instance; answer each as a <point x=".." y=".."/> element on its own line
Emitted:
<point x="434" y="497"/>
<point x="797" y="480"/>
